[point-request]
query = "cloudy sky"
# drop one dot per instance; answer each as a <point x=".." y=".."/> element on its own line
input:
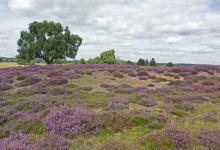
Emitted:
<point x="186" y="31"/>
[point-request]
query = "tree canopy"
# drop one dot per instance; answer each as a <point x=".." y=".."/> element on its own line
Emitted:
<point x="153" y="62"/>
<point x="48" y="41"/>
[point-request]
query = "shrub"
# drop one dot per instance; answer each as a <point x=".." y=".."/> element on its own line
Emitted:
<point x="117" y="103"/>
<point x="72" y="122"/>
<point x="53" y="141"/>
<point x="29" y="81"/>
<point x="142" y="73"/>
<point x="118" y="75"/>
<point x="57" y="80"/>
<point x="16" y="142"/>
<point x="3" y="119"/>
<point x="210" y="138"/>
<point x="148" y="102"/>
<point x="180" y="138"/>
<point x="5" y="87"/>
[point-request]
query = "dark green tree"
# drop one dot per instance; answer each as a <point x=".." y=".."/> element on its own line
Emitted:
<point x="146" y="62"/>
<point x="153" y="62"/>
<point x="82" y="61"/>
<point x="170" y="64"/>
<point x="48" y="41"/>
<point x="130" y="62"/>
<point x="141" y="62"/>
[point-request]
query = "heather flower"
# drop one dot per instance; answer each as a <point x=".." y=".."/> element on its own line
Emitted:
<point x="117" y="103"/>
<point x="180" y="138"/>
<point x="142" y="73"/>
<point x="210" y="138"/>
<point x="72" y="122"/>
<point x="57" y="80"/>
<point x="29" y="81"/>
<point x="5" y="87"/>
<point x="53" y="141"/>
<point x="15" y="142"/>
<point x="147" y="102"/>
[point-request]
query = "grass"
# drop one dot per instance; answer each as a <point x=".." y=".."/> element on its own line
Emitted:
<point x="8" y="64"/>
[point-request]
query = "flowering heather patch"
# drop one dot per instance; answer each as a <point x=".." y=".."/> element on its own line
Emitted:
<point x="180" y="138"/>
<point x="53" y="141"/>
<point x="15" y="142"/>
<point x="72" y="122"/>
<point x="124" y="88"/>
<point x="147" y="102"/>
<point x="29" y="81"/>
<point x="118" y="75"/>
<point x="57" y="80"/>
<point x="117" y="103"/>
<point x="210" y="138"/>
<point x="5" y="87"/>
<point x="142" y="73"/>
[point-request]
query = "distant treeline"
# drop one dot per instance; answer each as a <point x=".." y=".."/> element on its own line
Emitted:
<point x="5" y="59"/>
<point x="107" y="57"/>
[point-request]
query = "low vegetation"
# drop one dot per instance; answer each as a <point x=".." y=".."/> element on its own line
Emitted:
<point x="110" y="107"/>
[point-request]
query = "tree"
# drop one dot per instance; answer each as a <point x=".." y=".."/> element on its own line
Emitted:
<point x="170" y="64"/>
<point x="141" y="62"/>
<point x="108" y="57"/>
<point x="146" y="62"/>
<point x="130" y="62"/>
<point x="82" y="61"/>
<point x="153" y="62"/>
<point x="48" y="41"/>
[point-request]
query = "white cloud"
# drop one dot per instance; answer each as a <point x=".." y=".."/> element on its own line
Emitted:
<point x="171" y="30"/>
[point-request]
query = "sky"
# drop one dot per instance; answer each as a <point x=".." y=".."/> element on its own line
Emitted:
<point x="181" y="31"/>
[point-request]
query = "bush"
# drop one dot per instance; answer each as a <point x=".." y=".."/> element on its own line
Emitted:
<point x="210" y="138"/>
<point x="117" y="103"/>
<point x="53" y="141"/>
<point x="29" y="81"/>
<point x="72" y="122"/>
<point x="58" y="80"/>
<point x="15" y="142"/>
<point x="5" y="87"/>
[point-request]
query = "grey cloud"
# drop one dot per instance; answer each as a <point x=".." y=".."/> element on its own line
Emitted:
<point x="172" y="30"/>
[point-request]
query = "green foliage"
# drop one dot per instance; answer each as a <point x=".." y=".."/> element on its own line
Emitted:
<point x="170" y="64"/>
<point x="48" y="41"/>
<point x="179" y="113"/>
<point x="108" y="57"/>
<point x="130" y="62"/>
<point x="140" y="121"/>
<point x="153" y="62"/>
<point x="141" y="62"/>
<point x="82" y="61"/>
